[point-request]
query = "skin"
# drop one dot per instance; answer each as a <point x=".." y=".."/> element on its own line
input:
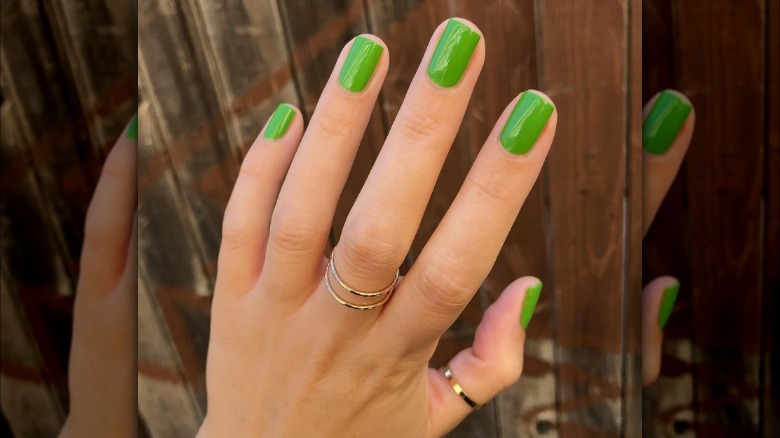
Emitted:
<point x="102" y="368"/>
<point x="284" y="358"/>
<point x="658" y="173"/>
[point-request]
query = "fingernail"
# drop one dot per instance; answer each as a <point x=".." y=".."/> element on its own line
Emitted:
<point x="528" y="119"/>
<point x="667" y="303"/>
<point x="453" y="53"/>
<point x="132" y="128"/>
<point x="664" y="122"/>
<point x="279" y="122"/>
<point x="529" y="304"/>
<point x="360" y="64"/>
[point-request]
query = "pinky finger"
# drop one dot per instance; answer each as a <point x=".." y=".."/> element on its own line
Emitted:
<point x="493" y="363"/>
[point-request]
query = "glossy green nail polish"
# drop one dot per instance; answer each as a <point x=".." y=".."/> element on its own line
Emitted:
<point x="667" y="303"/>
<point x="360" y="64"/>
<point x="452" y="54"/>
<point x="526" y="122"/>
<point x="280" y="121"/>
<point x="664" y="122"/>
<point x="132" y="128"/>
<point x="529" y="304"/>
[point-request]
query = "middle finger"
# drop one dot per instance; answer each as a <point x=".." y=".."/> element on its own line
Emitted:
<point x="386" y="215"/>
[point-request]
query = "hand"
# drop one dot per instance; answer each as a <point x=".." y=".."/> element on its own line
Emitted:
<point x="102" y="369"/>
<point x="285" y="358"/>
<point x="667" y="129"/>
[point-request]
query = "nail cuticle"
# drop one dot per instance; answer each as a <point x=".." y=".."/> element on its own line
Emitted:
<point x="664" y="122"/>
<point x="279" y="122"/>
<point x="526" y="123"/>
<point x="360" y="64"/>
<point x="452" y="54"/>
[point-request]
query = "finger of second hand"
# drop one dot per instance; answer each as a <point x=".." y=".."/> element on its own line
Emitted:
<point x="109" y="217"/>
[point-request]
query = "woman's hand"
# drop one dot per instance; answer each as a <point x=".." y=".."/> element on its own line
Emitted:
<point x="102" y="369"/>
<point x="285" y="358"/>
<point x="666" y="133"/>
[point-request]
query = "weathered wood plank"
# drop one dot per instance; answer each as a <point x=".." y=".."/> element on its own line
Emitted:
<point x="770" y="356"/>
<point x="584" y="71"/>
<point x="96" y="43"/>
<point x="43" y="107"/>
<point x="667" y="404"/>
<point x="632" y="296"/>
<point x="176" y="266"/>
<point x="244" y="49"/>
<point x="317" y="32"/>
<point x="191" y="127"/>
<point x="721" y="55"/>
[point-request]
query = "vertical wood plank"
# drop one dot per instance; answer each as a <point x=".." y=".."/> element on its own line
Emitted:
<point x="244" y="50"/>
<point x="96" y="43"/>
<point x="316" y="33"/>
<point x="667" y="404"/>
<point x="584" y="71"/>
<point x="721" y="53"/>
<point x="770" y="356"/>
<point x="191" y="126"/>
<point x="171" y="389"/>
<point x="632" y="297"/>
<point x="43" y="107"/>
<point x="32" y="391"/>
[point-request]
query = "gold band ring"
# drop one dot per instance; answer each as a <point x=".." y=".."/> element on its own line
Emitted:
<point x="459" y="390"/>
<point x="387" y="291"/>
<point x="360" y="293"/>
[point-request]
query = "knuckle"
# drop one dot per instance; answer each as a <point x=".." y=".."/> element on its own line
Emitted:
<point x="333" y="124"/>
<point x="420" y="122"/>
<point x="441" y="288"/>
<point x="293" y="233"/>
<point x="494" y="188"/>
<point x="369" y="247"/>
<point x="233" y="231"/>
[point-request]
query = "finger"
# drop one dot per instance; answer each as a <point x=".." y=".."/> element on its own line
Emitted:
<point x="248" y="213"/>
<point x="304" y="211"/>
<point x="384" y="219"/>
<point x="658" y="299"/>
<point x="464" y="247"/>
<point x="493" y="363"/>
<point x="666" y="133"/>
<point x="109" y="216"/>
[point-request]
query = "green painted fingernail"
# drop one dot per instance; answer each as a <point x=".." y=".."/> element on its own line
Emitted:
<point x="526" y="122"/>
<point x="529" y="304"/>
<point x="667" y="303"/>
<point x="132" y="128"/>
<point x="280" y="121"/>
<point x="453" y="53"/>
<point x="664" y="121"/>
<point x="360" y="64"/>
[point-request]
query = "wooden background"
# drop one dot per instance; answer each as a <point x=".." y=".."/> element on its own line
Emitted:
<point x="718" y="229"/>
<point x="67" y="90"/>
<point x="211" y="74"/>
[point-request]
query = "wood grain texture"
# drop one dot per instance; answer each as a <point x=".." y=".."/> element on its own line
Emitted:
<point x="587" y="207"/>
<point x="714" y="229"/>
<point x="770" y="378"/>
<point x="667" y="404"/>
<point x="721" y="50"/>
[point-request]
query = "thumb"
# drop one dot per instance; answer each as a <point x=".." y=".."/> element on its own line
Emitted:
<point x="658" y="299"/>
